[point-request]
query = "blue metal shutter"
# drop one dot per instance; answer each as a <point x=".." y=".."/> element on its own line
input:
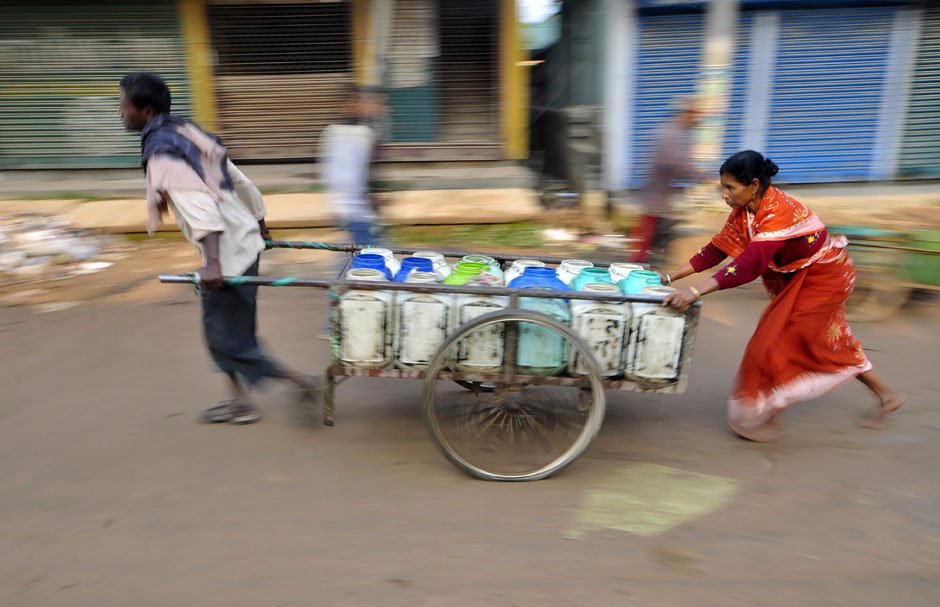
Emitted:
<point x="920" y="152"/>
<point x="827" y="88"/>
<point x="60" y="64"/>
<point x="669" y="55"/>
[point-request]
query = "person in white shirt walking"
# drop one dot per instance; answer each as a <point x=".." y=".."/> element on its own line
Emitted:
<point x="220" y="212"/>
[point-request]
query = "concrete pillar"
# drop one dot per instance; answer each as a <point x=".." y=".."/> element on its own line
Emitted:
<point x="619" y="74"/>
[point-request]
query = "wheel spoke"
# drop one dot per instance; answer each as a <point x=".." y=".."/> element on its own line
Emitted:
<point x="517" y="432"/>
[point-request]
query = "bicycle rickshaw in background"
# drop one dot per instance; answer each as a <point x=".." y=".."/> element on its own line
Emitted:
<point x="889" y="265"/>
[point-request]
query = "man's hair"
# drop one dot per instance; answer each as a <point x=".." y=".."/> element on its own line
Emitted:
<point x="144" y="90"/>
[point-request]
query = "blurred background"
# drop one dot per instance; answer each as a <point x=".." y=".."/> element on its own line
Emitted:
<point x="540" y="115"/>
<point x="833" y="90"/>
<point x="518" y="126"/>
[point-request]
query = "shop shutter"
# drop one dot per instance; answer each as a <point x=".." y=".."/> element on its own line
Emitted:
<point x="442" y="80"/>
<point x="920" y="152"/>
<point x="828" y="82"/>
<point x="282" y="74"/>
<point x="668" y="58"/>
<point x="60" y="64"/>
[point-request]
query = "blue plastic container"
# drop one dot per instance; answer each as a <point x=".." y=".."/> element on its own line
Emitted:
<point x="371" y="261"/>
<point x="413" y="264"/>
<point x="541" y="351"/>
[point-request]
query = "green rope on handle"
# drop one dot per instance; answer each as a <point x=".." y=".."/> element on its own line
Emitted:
<point x="281" y="282"/>
<point x="288" y="244"/>
<point x="235" y="281"/>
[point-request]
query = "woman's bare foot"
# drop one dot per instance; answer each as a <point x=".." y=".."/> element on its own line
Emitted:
<point x="890" y="403"/>
<point x="765" y="433"/>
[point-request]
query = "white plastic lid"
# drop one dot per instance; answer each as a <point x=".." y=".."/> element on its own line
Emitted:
<point x="522" y="263"/>
<point x="657" y="290"/>
<point x="578" y="263"/>
<point x="601" y="287"/>
<point x="365" y="274"/>
<point x="422" y="277"/>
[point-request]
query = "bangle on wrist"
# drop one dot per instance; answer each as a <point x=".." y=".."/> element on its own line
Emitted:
<point x="696" y="292"/>
<point x="668" y="280"/>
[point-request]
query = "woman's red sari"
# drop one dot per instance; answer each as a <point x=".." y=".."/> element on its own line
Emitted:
<point x="803" y="346"/>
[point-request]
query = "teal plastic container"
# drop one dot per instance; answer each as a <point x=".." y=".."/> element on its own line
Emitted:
<point x="637" y="280"/>
<point x="588" y="276"/>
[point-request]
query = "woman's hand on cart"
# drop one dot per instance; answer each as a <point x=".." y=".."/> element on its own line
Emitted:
<point x="680" y="299"/>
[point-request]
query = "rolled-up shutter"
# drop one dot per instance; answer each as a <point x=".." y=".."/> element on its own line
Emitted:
<point x="282" y="74"/>
<point x="669" y="55"/>
<point x="920" y="152"/>
<point x="60" y="64"/>
<point x="442" y="80"/>
<point x="828" y="82"/>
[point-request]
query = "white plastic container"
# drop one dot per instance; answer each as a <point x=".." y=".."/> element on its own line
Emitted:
<point x="518" y="267"/>
<point x="422" y="323"/>
<point x="440" y="265"/>
<point x="605" y="328"/>
<point x="619" y="271"/>
<point x="482" y="350"/>
<point x="365" y="321"/>
<point x="654" y="351"/>
<point x="570" y="269"/>
<point x="391" y="262"/>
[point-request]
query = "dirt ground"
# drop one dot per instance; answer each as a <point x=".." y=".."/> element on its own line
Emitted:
<point x="112" y="495"/>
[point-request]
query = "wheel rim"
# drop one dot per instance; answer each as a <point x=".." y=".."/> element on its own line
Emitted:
<point x="514" y="432"/>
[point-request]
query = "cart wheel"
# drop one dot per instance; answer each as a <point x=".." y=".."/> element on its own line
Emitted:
<point x="879" y="291"/>
<point x="516" y="432"/>
<point x="475" y="386"/>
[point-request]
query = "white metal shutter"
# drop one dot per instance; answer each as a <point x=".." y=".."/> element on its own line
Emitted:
<point x="282" y="74"/>
<point x="60" y="64"/>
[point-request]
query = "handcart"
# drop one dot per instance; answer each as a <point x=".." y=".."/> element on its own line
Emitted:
<point x="510" y="422"/>
<point x="889" y="266"/>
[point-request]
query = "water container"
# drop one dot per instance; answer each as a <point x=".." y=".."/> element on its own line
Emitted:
<point x="441" y="267"/>
<point x="371" y="261"/>
<point x="588" y="276"/>
<point x="637" y="280"/>
<point x="423" y="277"/>
<point x="482" y="350"/>
<point x="365" y="320"/>
<point x="569" y="269"/>
<point x="604" y="327"/>
<point x="412" y="264"/>
<point x="540" y="350"/>
<point x="422" y="322"/>
<point x="518" y="266"/>
<point x="463" y="272"/>
<point x="619" y="271"/>
<point x="391" y="263"/>
<point x="654" y="350"/>
<point x="491" y="264"/>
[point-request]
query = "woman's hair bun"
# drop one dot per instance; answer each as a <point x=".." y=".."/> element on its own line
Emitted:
<point x="770" y="167"/>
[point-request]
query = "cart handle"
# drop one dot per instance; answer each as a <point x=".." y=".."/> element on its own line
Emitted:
<point x="353" y="248"/>
<point x="411" y="287"/>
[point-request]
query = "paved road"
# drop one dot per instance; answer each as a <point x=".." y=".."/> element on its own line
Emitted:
<point x="111" y="495"/>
